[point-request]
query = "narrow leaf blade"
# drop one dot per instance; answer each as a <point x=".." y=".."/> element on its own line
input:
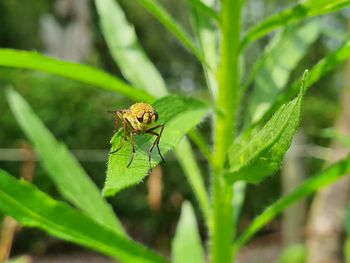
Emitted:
<point x="314" y="183"/>
<point x="295" y="14"/>
<point x="33" y="208"/>
<point x="186" y="245"/>
<point x="71" y="180"/>
<point x="179" y="116"/>
<point x="187" y="161"/>
<point x="86" y="74"/>
<point x="207" y="36"/>
<point x="126" y="50"/>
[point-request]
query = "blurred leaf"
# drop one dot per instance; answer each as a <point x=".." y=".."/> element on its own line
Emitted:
<point x="201" y="143"/>
<point x="347" y="249"/>
<point x="20" y="259"/>
<point x="262" y="155"/>
<point x="336" y="135"/>
<point x="186" y="245"/>
<point x="207" y="35"/>
<point x="304" y="10"/>
<point x="188" y="163"/>
<point x="33" y="208"/>
<point x="204" y="9"/>
<point x="348" y="221"/>
<point x="272" y="71"/>
<point x="309" y="186"/>
<point x="179" y="116"/>
<point x="86" y="74"/>
<point x="164" y="18"/>
<point x="68" y="175"/>
<point x="295" y="253"/>
<point x="239" y="189"/>
<point x="126" y="50"/>
<point x="322" y="68"/>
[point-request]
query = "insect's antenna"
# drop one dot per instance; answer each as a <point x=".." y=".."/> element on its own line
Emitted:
<point x="112" y="111"/>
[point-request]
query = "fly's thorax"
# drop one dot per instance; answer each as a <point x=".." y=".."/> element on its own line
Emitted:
<point x="141" y="116"/>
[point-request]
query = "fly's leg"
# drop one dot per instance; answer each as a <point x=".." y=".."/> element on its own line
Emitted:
<point x="156" y="141"/>
<point x="132" y="148"/>
<point x="124" y="141"/>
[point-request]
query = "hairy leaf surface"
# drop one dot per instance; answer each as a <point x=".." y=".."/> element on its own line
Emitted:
<point x="262" y="154"/>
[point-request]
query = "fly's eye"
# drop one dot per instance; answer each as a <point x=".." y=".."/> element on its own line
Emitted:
<point x="156" y="116"/>
<point x="140" y="119"/>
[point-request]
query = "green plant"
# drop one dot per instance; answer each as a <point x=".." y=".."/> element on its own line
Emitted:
<point x="240" y="155"/>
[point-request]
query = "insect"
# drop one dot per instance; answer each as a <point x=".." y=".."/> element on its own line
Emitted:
<point x="139" y="119"/>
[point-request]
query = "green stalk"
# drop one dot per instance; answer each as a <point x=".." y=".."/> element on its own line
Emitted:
<point x="222" y="230"/>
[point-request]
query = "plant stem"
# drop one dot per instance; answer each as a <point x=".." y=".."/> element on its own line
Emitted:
<point x="222" y="229"/>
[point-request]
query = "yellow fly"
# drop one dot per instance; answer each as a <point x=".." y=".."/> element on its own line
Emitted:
<point x="139" y="119"/>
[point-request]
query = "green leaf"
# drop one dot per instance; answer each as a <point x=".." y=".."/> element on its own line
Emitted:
<point x="71" y="180"/>
<point x="188" y="163"/>
<point x="179" y="116"/>
<point x="334" y="134"/>
<point x="347" y="249"/>
<point x="314" y="183"/>
<point x="295" y="253"/>
<point x="126" y="50"/>
<point x="33" y="208"/>
<point x="239" y="189"/>
<point x="186" y="245"/>
<point x="262" y="155"/>
<point x="163" y="17"/>
<point x="322" y="68"/>
<point x="86" y="74"/>
<point x="273" y="69"/>
<point x="295" y="14"/>
<point x="207" y="35"/>
<point x="204" y="9"/>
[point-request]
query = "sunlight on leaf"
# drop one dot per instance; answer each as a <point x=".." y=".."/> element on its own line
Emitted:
<point x="179" y="116"/>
